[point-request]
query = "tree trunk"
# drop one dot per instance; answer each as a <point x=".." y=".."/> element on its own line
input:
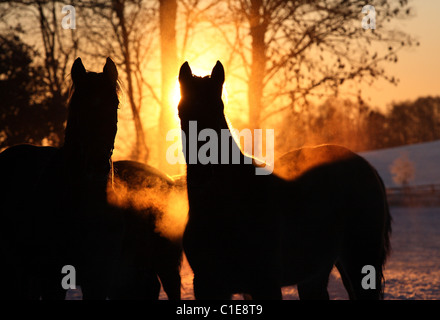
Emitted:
<point x="258" y="28"/>
<point x="140" y="151"/>
<point x="54" y="64"/>
<point x="167" y="22"/>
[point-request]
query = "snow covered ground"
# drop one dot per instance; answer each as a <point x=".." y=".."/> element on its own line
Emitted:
<point x="425" y="157"/>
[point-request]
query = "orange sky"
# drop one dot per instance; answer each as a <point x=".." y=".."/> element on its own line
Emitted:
<point x="419" y="67"/>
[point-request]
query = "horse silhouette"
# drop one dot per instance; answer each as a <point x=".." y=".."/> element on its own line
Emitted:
<point x="54" y="200"/>
<point x="67" y="218"/>
<point x="147" y="255"/>
<point x="254" y="234"/>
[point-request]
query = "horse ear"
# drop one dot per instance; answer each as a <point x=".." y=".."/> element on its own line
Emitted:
<point x="78" y="71"/>
<point x="110" y="70"/>
<point x="218" y="73"/>
<point x="185" y="72"/>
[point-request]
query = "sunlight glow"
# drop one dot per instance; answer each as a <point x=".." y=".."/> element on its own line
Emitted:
<point x="175" y="99"/>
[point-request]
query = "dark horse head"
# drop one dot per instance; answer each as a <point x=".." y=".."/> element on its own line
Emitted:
<point x="201" y="98"/>
<point x="201" y="108"/>
<point x="92" y="119"/>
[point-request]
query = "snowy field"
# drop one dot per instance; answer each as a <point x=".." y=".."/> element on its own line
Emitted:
<point x="412" y="271"/>
<point x="424" y="156"/>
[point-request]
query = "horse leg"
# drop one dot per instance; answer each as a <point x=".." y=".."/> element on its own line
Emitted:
<point x="50" y="282"/>
<point x="315" y="288"/>
<point x="361" y="286"/>
<point x="167" y="264"/>
<point x="93" y="274"/>
<point x="149" y="289"/>
<point x="171" y="283"/>
<point x="345" y="280"/>
<point x="94" y="280"/>
<point x="142" y="286"/>
<point x="51" y="289"/>
<point x="207" y="288"/>
<point x="266" y="291"/>
<point x="17" y="284"/>
<point x="362" y="250"/>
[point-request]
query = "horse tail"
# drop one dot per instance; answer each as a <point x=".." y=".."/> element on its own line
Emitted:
<point x="388" y="222"/>
<point x="386" y="248"/>
<point x="367" y="243"/>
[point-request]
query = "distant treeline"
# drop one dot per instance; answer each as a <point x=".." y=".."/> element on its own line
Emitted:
<point x="32" y="110"/>
<point x="361" y="128"/>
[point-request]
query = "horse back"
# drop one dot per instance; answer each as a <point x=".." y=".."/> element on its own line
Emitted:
<point x="335" y="199"/>
<point x="21" y="169"/>
<point x="297" y="162"/>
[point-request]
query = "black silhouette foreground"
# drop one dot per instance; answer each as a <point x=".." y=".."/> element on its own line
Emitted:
<point x="254" y="234"/>
<point x="55" y="209"/>
<point x="55" y="199"/>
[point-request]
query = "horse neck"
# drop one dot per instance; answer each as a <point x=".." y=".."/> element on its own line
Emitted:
<point x="79" y="177"/>
<point x="233" y="148"/>
<point x="229" y="162"/>
<point x="75" y="155"/>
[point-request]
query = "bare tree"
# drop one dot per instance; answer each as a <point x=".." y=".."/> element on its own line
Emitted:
<point x="124" y="30"/>
<point x="403" y="170"/>
<point x="169" y="68"/>
<point x="57" y="49"/>
<point x="138" y="30"/>
<point x="300" y="49"/>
